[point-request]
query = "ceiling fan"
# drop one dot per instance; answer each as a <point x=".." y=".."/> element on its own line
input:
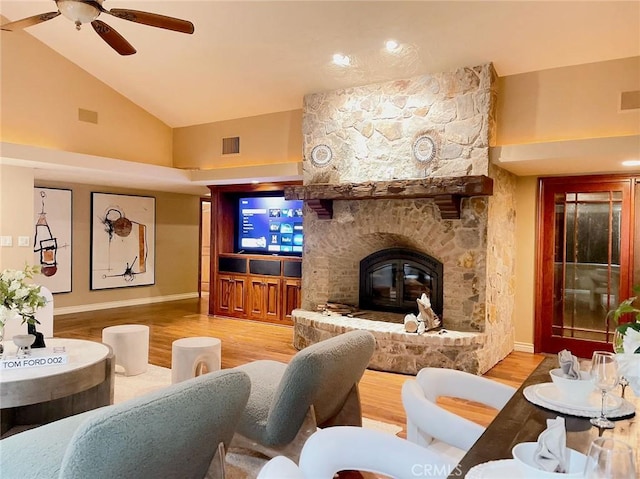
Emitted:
<point x="85" y="11"/>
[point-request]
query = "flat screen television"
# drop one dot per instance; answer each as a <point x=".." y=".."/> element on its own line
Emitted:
<point x="269" y="225"/>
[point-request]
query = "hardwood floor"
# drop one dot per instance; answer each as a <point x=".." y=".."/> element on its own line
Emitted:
<point x="244" y="341"/>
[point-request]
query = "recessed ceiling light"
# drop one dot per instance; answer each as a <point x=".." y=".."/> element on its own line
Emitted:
<point x="392" y="45"/>
<point x="631" y="163"/>
<point x="342" y="60"/>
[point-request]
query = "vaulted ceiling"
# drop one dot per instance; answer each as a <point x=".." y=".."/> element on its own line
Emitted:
<point x="253" y="57"/>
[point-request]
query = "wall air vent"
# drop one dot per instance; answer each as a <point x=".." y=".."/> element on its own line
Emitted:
<point x="231" y="146"/>
<point x="630" y="100"/>
<point x="88" y="116"/>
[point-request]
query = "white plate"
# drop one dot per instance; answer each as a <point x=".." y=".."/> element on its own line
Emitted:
<point x="530" y="393"/>
<point x="503" y="469"/>
<point x="551" y="394"/>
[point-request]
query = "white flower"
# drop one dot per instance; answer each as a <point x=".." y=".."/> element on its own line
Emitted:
<point x="17" y="297"/>
<point x="7" y="314"/>
<point x="631" y="340"/>
<point x="21" y="293"/>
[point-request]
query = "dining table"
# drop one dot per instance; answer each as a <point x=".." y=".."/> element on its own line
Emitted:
<point x="520" y="420"/>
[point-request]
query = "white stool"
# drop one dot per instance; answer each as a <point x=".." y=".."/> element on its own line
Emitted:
<point x="130" y="343"/>
<point x="190" y="357"/>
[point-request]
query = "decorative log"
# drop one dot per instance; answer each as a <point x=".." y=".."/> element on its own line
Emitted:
<point x="447" y="192"/>
<point x="411" y="323"/>
<point x="426" y="315"/>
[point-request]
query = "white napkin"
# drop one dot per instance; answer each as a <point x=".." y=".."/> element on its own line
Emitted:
<point x="551" y="453"/>
<point x="569" y="364"/>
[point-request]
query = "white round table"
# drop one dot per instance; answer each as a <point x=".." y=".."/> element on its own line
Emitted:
<point x="42" y="394"/>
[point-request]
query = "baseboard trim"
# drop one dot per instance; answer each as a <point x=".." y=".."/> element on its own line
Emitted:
<point x="83" y="308"/>
<point x="523" y="347"/>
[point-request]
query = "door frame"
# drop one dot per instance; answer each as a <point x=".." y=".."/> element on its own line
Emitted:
<point x="544" y="341"/>
<point x="200" y="243"/>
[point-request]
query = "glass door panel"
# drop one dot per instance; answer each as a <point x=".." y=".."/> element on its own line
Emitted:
<point x="416" y="281"/>
<point x="588" y="263"/>
<point x="383" y="284"/>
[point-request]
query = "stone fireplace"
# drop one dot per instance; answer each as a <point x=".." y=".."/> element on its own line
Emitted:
<point x="376" y="194"/>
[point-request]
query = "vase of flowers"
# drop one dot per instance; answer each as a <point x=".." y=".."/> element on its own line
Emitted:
<point x="19" y="299"/>
<point x="626" y="341"/>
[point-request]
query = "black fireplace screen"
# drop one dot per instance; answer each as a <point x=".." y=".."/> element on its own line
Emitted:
<point x="392" y="280"/>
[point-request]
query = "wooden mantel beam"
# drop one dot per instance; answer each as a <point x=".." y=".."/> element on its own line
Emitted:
<point x="446" y="191"/>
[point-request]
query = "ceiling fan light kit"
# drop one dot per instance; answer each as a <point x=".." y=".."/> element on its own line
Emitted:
<point x="78" y="12"/>
<point x="87" y="11"/>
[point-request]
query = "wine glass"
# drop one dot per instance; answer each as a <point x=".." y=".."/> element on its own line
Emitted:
<point x="604" y="372"/>
<point x="609" y="459"/>
<point x="618" y="338"/>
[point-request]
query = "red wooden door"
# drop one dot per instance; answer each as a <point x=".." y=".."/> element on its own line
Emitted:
<point x="584" y="261"/>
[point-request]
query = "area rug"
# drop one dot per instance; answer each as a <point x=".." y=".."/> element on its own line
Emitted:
<point x="239" y="463"/>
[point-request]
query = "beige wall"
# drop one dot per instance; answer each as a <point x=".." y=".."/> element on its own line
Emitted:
<point x="177" y="242"/>
<point x="526" y="212"/>
<point x="576" y="102"/>
<point x="42" y="92"/>
<point x="265" y="139"/>
<point x="16" y="199"/>
<point x="568" y="103"/>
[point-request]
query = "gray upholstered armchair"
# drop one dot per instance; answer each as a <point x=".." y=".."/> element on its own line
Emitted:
<point x="318" y="388"/>
<point x="170" y="433"/>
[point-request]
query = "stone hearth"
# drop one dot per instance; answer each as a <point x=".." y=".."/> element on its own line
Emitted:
<point x="371" y="131"/>
<point x="396" y="350"/>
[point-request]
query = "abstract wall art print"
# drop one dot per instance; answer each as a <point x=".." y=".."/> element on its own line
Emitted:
<point x="122" y="240"/>
<point x="52" y="238"/>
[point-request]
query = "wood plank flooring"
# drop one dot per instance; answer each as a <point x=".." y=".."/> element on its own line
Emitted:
<point x="244" y="341"/>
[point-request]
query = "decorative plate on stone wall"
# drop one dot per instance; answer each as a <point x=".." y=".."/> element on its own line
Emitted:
<point x="424" y="149"/>
<point x="321" y="155"/>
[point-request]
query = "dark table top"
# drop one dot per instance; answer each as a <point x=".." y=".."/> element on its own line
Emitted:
<point x="521" y="421"/>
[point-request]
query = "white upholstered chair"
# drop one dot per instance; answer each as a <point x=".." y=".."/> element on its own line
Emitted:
<point x="341" y="448"/>
<point x="44" y="315"/>
<point x="431" y="426"/>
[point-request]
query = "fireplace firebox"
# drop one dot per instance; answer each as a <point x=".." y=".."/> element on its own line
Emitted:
<point x="392" y="279"/>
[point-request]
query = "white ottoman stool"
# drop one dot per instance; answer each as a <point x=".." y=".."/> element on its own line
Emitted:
<point x="130" y="344"/>
<point x="191" y="357"/>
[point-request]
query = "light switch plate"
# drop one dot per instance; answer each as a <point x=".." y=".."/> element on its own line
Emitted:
<point x="24" y="240"/>
<point x="6" y="241"/>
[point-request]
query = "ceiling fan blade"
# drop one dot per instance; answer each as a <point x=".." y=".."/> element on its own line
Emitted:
<point x="29" y="21"/>
<point x="113" y="38"/>
<point x="153" y="19"/>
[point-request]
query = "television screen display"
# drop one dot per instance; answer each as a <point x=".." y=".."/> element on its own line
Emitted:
<point x="270" y="225"/>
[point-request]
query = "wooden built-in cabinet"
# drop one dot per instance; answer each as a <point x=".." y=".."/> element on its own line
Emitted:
<point x="243" y="290"/>
<point x="231" y="295"/>
<point x="265" y="298"/>
<point x="291" y="297"/>
<point x="248" y="286"/>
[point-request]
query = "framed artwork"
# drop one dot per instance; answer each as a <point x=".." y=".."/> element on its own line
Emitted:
<point x="52" y="239"/>
<point x="122" y="240"/>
